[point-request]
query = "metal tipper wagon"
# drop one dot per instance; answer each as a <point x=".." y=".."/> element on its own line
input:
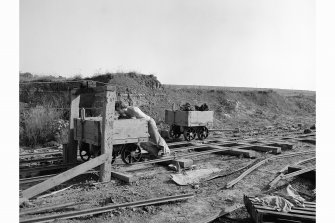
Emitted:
<point x="189" y="123"/>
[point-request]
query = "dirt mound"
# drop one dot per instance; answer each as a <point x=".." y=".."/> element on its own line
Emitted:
<point x="233" y="108"/>
<point x="130" y="82"/>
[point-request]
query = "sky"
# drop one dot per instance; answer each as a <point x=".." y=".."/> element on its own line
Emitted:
<point x="239" y="43"/>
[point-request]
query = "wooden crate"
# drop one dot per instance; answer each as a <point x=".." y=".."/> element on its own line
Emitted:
<point x="189" y="118"/>
<point x="124" y="130"/>
<point x="260" y="213"/>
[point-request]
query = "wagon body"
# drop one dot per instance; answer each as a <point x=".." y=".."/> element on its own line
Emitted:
<point x="189" y="118"/>
<point x="89" y="130"/>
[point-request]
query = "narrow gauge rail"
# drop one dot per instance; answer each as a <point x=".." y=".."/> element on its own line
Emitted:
<point x="107" y="208"/>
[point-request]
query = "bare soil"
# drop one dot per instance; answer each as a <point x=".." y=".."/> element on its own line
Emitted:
<point x="154" y="181"/>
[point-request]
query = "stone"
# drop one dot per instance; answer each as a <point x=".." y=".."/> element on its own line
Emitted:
<point x="184" y="163"/>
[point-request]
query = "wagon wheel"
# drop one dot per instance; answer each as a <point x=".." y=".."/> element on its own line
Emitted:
<point x="131" y="153"/>
<point x="85" y="154"/>
<point x="189" y="133"/>
<point x="84" y="151"/>
<point x="202" y="133"/>
<point x="175" y="132"/>
<point x="116" y="151"/>
<point x="114" y="158"/>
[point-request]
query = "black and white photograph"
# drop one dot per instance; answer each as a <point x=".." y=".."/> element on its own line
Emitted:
<point x="166" y="111"/>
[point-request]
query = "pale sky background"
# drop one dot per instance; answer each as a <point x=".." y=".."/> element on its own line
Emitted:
<point x="241" y="43"/>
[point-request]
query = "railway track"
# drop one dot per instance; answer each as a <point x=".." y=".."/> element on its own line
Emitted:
<point x="45" y="177"/>
<point x="177" y="148"/>
<point x="45" y="169"/>
<point x="41" y="160"/>
<point x="41" y="154"/>
<point x="99" y="210"/>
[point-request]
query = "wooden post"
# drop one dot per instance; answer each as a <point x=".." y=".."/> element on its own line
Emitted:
<point x="82" y="114"/>
<point x="71" y="148"/>
<point x="173" y="106"/>
<point x="107" y="132"/>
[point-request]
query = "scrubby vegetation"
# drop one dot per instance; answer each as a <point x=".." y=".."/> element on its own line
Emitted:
<point x="48" y="102"/>
<point x="40" y="124"/>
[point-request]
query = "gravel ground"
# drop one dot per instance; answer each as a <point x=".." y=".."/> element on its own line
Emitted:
<point x="154" y="181"/>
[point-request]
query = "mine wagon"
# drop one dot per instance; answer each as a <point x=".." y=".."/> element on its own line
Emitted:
<point x="189" y="123"/>
<point x="126" y="135"/>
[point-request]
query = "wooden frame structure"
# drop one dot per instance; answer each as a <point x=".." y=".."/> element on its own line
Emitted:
<point x="70" y="150"/>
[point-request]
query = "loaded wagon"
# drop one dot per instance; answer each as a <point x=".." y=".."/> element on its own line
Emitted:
<point x="189" y="123"/>
<point x="126" y="136"/>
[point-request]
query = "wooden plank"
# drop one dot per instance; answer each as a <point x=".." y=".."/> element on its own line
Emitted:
<point x="233" y="182"/>
<point x="282" y="145"/>
<point x="308" y="140"/>
<point x="65" y="176"/>
<point x="122" y="130"/>
<point x="98" y="126"/>
<point x="239" y="152"/>
<point x="304" y="218"/>
<point x="71" y="149"/>
<point x="206" y="147"/>
<point x="257" y="147"/>
<point x="200" y="118"/>
<point x="130" y="128"/>
<point x="275" y="180"/>
<point x="87" y="130"/>
<point x="263" y="148"/>
<point x="296" y="173"/>
<point x="307" y="135"/>
<point x="129" y="140"/>
<point x="75" y="135"/>
<point x="124" y="177"/>
<point x="286" y="169"/>
<point x="304" y="161"/>
<point x="293" y="211"/>
<point x="178" y="143"/>
<point x="107" y="133"/>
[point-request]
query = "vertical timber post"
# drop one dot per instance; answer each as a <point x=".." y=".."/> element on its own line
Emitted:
<point x="173" y="106"/>
<point x="107" y="132"/>
<point x="71" y="148"/>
